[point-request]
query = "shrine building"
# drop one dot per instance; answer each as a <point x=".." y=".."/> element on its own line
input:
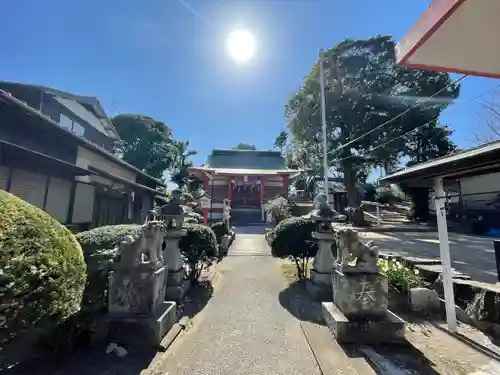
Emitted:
<point x="247" y="178"/>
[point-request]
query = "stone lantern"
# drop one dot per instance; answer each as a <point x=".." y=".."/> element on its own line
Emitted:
<point x="173" y="215"/>
<point x="320" y="283"/>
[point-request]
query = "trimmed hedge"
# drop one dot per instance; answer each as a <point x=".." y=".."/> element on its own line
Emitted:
<point x="220" y="229"/>
<point x="293" y="238"/>
<point x="196" y="216"/>
<point x="42" y="270"/>
<point x="101" y="250"/>
<point x="199" y="248"/>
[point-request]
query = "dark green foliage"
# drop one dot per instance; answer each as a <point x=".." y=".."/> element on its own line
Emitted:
<point x="220" y="229"/>
<point x="180" y="174"/>
<point x="101" y="250"/>
<point x="148" y="145"/>
<point x="292" y="239"/>
<point x="199" y="248"/>
<point x="42" y="270"/>
<point x="191" y="220"/>
<point x="277" y="209"/>
<point x="280" y="141"/>
<point x="364" y="89"/>
<point x="370" y="193"/>
<point x="387" y="196"/>
<point x="187" y="198"/>
<point x="196" y="216"/>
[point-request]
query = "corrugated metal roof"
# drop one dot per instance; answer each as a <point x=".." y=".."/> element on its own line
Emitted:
<point x="445" y="160"/>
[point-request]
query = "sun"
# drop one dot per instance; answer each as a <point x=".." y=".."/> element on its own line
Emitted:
<point x="241" y="45"/>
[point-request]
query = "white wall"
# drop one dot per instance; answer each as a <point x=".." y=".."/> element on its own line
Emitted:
<point x="480" y="184"/>
<point x="87" y="158"/>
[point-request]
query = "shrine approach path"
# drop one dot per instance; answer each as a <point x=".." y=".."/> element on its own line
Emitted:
<point x="243" y="329"/>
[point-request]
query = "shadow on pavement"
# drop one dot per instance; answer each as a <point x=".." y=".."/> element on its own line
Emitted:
<point x="296" y="301"/>
<point x="91" y="360"/>
<point x="196" y="299"/>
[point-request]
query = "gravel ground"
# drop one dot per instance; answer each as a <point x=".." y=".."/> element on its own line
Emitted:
<point x="243" y="329"/>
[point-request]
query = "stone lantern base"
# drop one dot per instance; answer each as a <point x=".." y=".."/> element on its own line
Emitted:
<point x="319" y="285"/>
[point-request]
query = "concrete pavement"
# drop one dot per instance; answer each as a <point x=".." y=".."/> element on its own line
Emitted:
<point x="471" y="255"/>
<point x="243" y="329"/>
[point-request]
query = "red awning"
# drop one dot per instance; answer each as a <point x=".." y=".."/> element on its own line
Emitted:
<point x="455" y="36"/>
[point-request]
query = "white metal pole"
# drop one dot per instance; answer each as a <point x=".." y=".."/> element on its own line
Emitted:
<point x="378" y="215"/>
<point x="323" y="124"/>
<point x="444" y="249"/>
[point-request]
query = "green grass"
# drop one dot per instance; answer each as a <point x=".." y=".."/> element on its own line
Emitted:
<point x="289" y="270"/>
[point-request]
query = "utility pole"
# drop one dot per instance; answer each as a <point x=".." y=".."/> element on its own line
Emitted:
<point x="323" y="124"/>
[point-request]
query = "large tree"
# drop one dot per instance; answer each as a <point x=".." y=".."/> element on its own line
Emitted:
<point x="364" y="89"/>
<point x="148" y="145"/>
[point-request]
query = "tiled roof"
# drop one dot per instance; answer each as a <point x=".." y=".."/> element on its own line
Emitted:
<point x="246" y="160"/>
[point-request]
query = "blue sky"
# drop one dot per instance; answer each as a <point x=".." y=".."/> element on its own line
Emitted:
<point x="158" y="58"/>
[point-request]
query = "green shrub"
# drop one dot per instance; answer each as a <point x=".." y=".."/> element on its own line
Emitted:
<point x="101" y="249"/>
<point x="196" y="216"/>
<point x="400" y="277"/>
<point x="277" y="210"/>
<point x="187" y="198"/>
<point x="292" y="239"/>
<point x="199" y="248"/>
<point x="220" y="229"/>
<point x="190" y="220"/>
<point x="42" y="270"/>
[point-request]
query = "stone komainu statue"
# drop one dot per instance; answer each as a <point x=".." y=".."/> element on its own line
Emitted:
<point x="350" y="248"/>
<point x="146" y="249"/>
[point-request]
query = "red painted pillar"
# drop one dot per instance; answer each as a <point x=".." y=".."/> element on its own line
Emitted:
<point x="284" y="179"/>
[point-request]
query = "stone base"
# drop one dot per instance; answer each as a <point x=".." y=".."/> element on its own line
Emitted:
<point x="175" y="277"/>
<point x="143" y="330"/>
<point x="360" y="295"/>
<point x="177" y="292"/>
<point x="389" y="330"/>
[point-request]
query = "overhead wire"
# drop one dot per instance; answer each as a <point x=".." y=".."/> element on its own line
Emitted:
<point x="398" y="116"/>
<point x="417" y="128"/>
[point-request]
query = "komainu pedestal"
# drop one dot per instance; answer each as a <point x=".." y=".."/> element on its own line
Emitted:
<point x="359" y="311"/>
<point x="137" y="311"/>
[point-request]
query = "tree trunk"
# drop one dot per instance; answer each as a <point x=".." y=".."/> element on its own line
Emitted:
<point x="356" y="215"/>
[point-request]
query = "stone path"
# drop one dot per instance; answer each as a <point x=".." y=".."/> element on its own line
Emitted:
<point x="243" y="329"/>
